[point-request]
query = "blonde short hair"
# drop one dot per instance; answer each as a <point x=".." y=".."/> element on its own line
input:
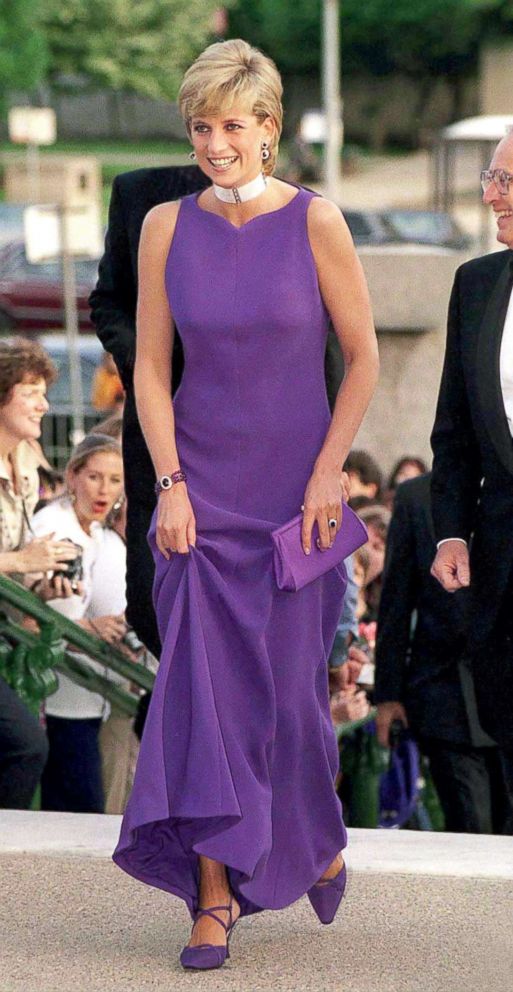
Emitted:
<point x="92" y="444"/>
<point x="229" y="71"/>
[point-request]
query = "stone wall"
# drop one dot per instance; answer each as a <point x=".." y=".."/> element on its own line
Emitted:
<point x="401" y="415"/>
<point x="496" y="79"/>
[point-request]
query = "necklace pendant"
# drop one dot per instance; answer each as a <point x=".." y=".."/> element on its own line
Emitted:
<point x="236" y="195"/>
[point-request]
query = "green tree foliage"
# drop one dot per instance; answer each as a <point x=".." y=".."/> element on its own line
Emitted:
<point x="141" y="46"/>
<point x="499" y="22"/>
<point x="287" y="30"/>
<point x="420" y="38"/>
<point x="22" y="46"/>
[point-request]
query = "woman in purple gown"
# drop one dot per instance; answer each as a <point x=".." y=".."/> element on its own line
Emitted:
<point x="233" y="807"/>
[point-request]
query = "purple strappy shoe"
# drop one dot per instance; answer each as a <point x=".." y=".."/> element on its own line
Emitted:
<point x="204" y="956"/>
<point x="326" y="895"/>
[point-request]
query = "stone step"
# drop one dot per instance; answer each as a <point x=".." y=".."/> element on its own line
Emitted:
<point x="424" y="913"/>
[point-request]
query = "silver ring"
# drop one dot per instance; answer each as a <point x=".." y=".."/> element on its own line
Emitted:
<point x="332" y="522"/>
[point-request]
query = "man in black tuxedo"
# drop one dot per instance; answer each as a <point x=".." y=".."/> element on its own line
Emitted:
<point x="421" y="676"/>
<point x="113" y="304"/>
<point x="472" y="484"/>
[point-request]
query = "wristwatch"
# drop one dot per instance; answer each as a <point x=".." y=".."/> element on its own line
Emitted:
<point x="167" y="481"/>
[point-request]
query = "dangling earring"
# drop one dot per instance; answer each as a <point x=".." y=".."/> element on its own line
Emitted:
<point x="119" y="503"/>
<point x="265" y="151"/>
<point x="192" y="156"/>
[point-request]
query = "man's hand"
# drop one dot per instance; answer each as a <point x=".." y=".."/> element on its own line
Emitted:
<point x="387" y="713"/>
<point x="451" y="566"/>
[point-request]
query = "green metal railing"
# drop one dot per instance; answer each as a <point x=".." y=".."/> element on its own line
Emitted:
<point x="28" y="661"/>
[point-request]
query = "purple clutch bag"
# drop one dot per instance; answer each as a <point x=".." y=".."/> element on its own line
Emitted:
<point x="294" y="569"/>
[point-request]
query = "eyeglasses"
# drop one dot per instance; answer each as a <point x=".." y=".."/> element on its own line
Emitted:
<point x="500" y="177"/>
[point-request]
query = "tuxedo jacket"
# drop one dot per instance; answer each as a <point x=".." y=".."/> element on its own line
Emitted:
<point x="113" y="301"/>
<point x="418" y="665"/>
<point x="472" y="480"/>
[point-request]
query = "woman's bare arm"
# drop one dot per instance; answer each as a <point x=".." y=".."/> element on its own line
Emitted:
<point x="344" y="291"/>
<point x="345" y="294"/>
<point x="152" y="377"/>
<point x="155" y="333"/>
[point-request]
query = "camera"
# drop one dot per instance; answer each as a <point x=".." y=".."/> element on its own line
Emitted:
<point x="132" y="641"/>
<point x="74" y="571"/>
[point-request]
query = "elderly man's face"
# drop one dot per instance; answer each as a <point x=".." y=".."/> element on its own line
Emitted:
<point x="500" y="201"/>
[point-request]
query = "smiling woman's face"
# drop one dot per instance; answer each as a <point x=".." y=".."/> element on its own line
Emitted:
<point x="96" y="486"/>
<point x="20" y="417"/>
<point x="228" y="145"/>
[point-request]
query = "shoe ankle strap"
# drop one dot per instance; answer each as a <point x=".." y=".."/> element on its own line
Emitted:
<point x="210" y="911"/>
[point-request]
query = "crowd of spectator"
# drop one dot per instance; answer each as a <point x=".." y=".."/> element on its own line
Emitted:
<point x="62" y="535"/>
<point x="409" y="637"/>
<point x="398" y="658"/>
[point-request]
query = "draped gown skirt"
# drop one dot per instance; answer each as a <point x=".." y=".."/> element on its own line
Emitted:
<point x="239" y="755"/>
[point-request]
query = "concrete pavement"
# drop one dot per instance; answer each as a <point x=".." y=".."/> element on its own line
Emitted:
<point x="424" y="913"/>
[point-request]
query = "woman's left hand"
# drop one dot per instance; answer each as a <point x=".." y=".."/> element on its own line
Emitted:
<point x="322" y="503"/>
<point x="109" y="628"/>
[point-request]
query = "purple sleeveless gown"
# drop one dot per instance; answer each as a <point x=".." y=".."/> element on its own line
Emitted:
<point x="238" y="756"/>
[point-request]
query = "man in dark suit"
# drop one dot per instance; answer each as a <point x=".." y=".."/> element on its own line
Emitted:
<point x="421" y="676"/>
<point x="472" y="485"/>
<point x="113" y="304"/>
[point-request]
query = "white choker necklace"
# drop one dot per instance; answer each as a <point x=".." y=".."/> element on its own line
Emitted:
<point x="241" y="194"/>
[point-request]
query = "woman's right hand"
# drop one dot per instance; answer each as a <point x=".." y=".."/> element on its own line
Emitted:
<point x="176" y="524"/>
<point x="45" y="554"/>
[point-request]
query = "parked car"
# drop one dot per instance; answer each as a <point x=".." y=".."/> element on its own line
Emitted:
<point x="418" y="227"/>
<point x="90" y="353"/>
<point x="57" y="425"/>
<point x="11" y="222"/>
<point x="31" y="295"/>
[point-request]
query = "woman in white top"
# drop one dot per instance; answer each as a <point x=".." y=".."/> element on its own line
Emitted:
<point x="72" y="779"/>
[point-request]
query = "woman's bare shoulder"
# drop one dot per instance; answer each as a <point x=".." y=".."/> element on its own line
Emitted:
<point x="324" y="215"/>
<point x="159" y="226"/>
<point x="326" y="225"/>
<point x="161" y="216"/>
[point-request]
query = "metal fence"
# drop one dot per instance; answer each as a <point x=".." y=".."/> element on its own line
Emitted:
<point x="57" y="434"/>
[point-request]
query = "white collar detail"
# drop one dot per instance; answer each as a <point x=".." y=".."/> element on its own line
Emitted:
<point x="241" y="194"/>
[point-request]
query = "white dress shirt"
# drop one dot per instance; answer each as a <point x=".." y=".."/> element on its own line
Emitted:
<point x="506" y="364"/>
<point x="73" y="701"/>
